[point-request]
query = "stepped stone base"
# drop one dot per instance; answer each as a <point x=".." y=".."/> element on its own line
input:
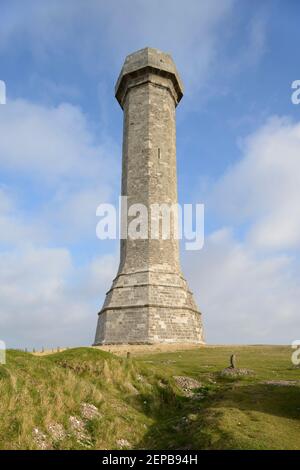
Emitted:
<point x="149" y="307"/>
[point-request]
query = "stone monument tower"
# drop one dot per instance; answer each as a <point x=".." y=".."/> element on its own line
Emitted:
<point x="149" y="300"/>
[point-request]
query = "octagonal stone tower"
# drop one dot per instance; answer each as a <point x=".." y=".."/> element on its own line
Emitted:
<point x="149" y="301"/>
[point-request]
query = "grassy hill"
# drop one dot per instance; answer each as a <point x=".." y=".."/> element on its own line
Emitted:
<point x="86" y="398"/>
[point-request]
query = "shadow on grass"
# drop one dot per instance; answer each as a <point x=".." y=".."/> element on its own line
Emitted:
<point x="213" y="423"/>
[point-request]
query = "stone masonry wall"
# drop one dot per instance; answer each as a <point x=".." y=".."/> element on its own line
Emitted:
<point x="149" y="301"/>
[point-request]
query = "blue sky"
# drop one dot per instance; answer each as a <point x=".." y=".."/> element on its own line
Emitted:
<point x="238" y="151"/>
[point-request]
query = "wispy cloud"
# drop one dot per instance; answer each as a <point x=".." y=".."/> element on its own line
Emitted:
<point x="96" y="33"/>
<point x="58" y="163"/>
<point x="247" y="285"/>
<point x="46" y="296"/>
<point x="46" y="300"/>
<point x="263" y="188"/>
<point x="245" y="297"/>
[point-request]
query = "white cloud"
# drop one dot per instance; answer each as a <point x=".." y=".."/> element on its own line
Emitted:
<point x="51" y="143"/>
<point x="47" y="296"/>
<point x="247" y="277"/>
<point x="100" y="34"/>
<point x="195" y="42"/>
<point x="46" y="300"/>
<point x="263" y="189"/>
<point x="5" y="200"/>
<point x="58" y="154"/>
<point x="246" y="294"/>
<point x="244" y="297"/>
<point x="17" y="228"/>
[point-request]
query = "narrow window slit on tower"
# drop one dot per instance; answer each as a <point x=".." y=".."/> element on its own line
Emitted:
<point x="158" y="153"/>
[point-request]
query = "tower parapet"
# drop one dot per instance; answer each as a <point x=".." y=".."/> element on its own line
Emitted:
<point x="149" y="65"/>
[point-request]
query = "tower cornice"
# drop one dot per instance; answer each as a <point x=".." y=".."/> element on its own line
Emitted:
<point x="142" y="66"/>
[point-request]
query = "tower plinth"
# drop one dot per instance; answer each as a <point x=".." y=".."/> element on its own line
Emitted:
<point x="149" y="300"/>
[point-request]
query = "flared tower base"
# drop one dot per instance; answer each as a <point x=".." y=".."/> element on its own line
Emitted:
<point x="149" y="307"/>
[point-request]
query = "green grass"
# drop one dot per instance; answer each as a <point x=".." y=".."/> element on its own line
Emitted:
<point x="139" y="401"/>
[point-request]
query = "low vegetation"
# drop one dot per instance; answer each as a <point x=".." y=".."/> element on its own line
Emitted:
<point x="86" y="398"/>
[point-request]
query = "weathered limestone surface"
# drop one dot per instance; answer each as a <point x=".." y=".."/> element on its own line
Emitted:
<point x="149" y="301"/>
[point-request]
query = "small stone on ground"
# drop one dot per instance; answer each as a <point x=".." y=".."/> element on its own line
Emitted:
<point x="56" y="431"/>
<point x="123" y="443"/>
<point x="282" y="383"/>
<point x="187" y="385"/>
<point x="79" y="431"/>
<point x="41" y="440"/>
<point x="89" y="411"/>
<point x="235" y="372"/>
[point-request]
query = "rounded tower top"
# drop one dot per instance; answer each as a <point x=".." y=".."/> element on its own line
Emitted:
<point x="148" y="61"/>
